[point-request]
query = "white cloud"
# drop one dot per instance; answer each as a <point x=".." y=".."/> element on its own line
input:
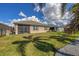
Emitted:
<point x="33" y="18"/>
<point x="53" y="14"/>
<point x="16" y="20"/>
<point x="37" y="8"/>
<point x="52" y="11"/>
<point x="22" y="14"/>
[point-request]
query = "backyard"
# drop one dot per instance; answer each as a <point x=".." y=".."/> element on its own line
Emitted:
<point x="41" y="44"/>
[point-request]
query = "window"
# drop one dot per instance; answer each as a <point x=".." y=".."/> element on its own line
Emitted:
<point x="2" y="31"/>
<point x="35" y="27"/>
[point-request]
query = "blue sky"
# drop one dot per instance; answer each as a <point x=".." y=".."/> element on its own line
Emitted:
<point x="69" y="6"/>
<point x="10" y="11"/>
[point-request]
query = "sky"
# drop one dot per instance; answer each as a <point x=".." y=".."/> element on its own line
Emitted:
<point x="10" y="11"/>
<point x="69" y="6"/>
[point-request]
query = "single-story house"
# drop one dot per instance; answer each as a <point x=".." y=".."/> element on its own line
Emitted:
<point x="5" y="29"/>
<point x="30" y="27"/>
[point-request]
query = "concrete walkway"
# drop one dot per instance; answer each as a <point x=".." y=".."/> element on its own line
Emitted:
<point x="71" y="49"/>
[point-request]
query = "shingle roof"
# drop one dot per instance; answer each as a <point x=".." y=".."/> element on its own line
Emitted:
<point x="30" y="23"/>
<point x="4" y="26"/>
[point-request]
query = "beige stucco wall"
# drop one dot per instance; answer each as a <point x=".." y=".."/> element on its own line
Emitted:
<point x="8" y="32"/>
<point x="16" y="29"/>
<point x="30" y="29"/>
<point x="40" y="29"/>
<point x="5" y="31"/>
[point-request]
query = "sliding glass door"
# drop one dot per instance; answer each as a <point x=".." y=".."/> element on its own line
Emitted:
<point x="23" y="29"/>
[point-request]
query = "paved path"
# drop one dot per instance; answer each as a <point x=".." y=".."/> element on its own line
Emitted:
<point x="71" y="49"/>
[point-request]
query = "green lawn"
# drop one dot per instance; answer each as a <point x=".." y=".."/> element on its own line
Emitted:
<point x="41" y="44"/>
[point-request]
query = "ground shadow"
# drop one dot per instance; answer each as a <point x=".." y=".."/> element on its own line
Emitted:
<point x="36" y="38"/>
<point x="45" y="47"/>
<point x="39" y="44"/>
<point x="64" y="39"/>
<point x="42" y="46"/>
<point x="28" y="37"/>
<point x="21" y="46"/>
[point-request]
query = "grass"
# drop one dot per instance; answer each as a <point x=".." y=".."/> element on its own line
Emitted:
<point x="41" y="44"/>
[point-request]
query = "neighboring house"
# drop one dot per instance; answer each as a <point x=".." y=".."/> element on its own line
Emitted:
<point x="5" y="30"/>
<point x="56" y="29"/>
<point x="30" y="27"/>
<point x="60" y="29"/>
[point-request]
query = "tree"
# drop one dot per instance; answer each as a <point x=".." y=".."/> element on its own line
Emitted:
<point x="63" y="8"/>
<point x="74" y="25"/>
